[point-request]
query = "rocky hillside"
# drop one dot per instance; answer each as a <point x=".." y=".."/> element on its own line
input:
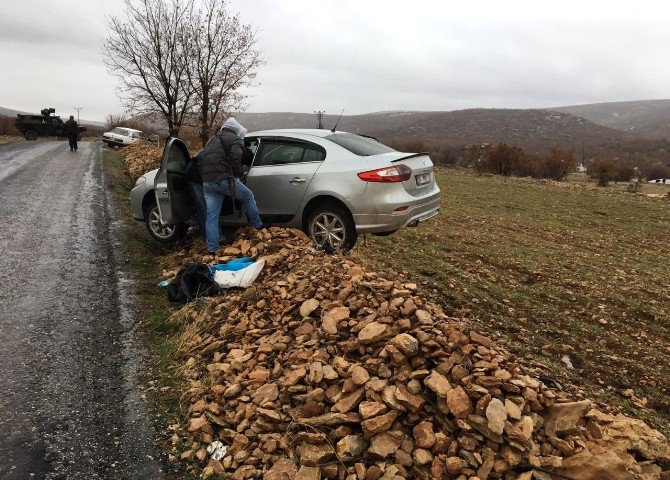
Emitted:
<point x="644" y="117"/>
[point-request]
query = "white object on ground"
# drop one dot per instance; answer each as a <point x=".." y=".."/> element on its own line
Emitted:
<point x="240" y="278"/>
<point x="217" y="450"/>
<point x="567" y="360"/>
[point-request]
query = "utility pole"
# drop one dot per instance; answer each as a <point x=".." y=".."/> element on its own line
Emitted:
<point x="78" y="109"/>
<point x="319" y="118"/>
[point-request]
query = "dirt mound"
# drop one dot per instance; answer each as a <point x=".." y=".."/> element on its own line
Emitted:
<point x="323" y="370"/>
<point x="141" y="157"/>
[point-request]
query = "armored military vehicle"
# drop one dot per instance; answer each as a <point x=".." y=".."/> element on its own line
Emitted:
<point x="43" y="125"/>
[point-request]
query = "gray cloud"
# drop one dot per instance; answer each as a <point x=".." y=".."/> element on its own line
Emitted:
<point x="372" y="55"/>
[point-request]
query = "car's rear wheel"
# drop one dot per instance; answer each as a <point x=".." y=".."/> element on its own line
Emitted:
<point x="30" y="135"/>
<point x="161" y="232"/>
<point x="332" y="227"/>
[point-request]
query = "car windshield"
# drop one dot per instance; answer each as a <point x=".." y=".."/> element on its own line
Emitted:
<point x="358" y="145"/>
<point x="120" y="131"/>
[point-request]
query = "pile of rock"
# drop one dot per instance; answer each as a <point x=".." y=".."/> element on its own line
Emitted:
<point x="323" y="370"/>
<point x="141" y="157"/>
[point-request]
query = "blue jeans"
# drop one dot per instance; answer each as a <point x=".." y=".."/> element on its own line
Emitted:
<point x="214" y="193"/>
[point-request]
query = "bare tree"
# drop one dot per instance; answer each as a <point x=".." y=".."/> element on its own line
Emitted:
<point x="223" y="58"/>
<point x="114" y="121"/>
<point x="144" y="50"/>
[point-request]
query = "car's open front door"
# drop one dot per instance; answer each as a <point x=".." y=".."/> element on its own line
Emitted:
<point x="172" y="188"/>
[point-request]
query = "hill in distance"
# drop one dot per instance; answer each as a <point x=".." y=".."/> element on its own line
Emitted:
<point x="529" y="128"/>
<point x="648" y="118"/>
<point x="570" y="127"/>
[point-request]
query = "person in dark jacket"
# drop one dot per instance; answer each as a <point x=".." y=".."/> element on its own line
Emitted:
<point x="72" y="132"/>
<point x="221" y="167"/>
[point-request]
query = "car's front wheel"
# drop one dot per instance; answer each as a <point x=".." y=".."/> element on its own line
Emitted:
<point x="161" y="232"/>
<point x="332" y="228"/>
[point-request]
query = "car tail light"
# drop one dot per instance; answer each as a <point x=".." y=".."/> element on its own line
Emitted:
<point x="397" y="173"/>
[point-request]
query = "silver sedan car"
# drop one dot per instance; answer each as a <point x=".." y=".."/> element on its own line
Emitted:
<point x="333" y="185"/>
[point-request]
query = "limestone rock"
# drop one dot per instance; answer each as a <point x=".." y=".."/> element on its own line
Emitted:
<point x="438" y="383"/>
<point x="421" y="456"/>
<point x="372" y="333"/>
<point x="513" y="410"/>
<point x="459" y="403"/>
<point x="378" y="424"/>
<point x="313" y="454"/>
<point x="283" y="469"/>
<point x="406" y="343"/>
<point x="595" y="463"/>
<point x="359" y="375"/>
<point x="384" y="444"/>
<point x="455" y="465"/>
<point x="308" y="306"/>
<point x="371" y="409"/>
<point x="350" y="447"/>
<point x="562" y="418"/>
<point x="496" y="413"/>
<point x="308" y="473"/>
<point x="424" y="436"/>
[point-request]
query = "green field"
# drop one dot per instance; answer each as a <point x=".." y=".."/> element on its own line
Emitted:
<point x="553" y="271"/>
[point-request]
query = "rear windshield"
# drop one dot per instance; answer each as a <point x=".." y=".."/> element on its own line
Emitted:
<point x="358" y="145"/>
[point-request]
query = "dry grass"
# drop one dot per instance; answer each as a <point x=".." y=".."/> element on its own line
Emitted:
<point x="4" y="139"/>
<point x="554" y="270"/>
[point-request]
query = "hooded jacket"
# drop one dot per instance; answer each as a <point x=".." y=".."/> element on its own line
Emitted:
<point x="222" y="156"/>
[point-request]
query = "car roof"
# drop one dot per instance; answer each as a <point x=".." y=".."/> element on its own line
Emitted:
<point x="315" y="132"/>
<point x="129" y="129"/>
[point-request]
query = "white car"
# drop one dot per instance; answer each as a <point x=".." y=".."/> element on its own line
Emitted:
<point x="121" y="137"/>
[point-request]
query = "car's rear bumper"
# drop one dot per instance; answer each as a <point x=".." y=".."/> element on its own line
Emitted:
<point x="418" y="210"/>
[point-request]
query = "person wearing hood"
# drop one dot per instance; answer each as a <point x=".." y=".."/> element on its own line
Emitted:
<point x="221" y="167"/>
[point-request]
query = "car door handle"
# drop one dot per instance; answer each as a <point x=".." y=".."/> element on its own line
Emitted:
<point x="296" y="180"/>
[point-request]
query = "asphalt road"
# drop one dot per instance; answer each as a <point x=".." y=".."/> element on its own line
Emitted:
<point x="70" y="397"/>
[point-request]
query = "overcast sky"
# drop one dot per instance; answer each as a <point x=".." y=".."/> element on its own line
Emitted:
<point x="369" y="55"/>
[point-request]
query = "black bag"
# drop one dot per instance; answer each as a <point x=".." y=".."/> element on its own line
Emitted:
<point x="192" y="281"/>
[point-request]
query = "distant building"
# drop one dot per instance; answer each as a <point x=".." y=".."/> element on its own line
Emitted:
<point x="581" y="168"/>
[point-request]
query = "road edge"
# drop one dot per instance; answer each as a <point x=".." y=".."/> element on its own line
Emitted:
<point x="139" y="261"/>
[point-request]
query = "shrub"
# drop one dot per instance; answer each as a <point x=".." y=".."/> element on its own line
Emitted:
<point x="557" y="165"/>
<point x="604" y="170"/>
<point x="624" y="173"/>
<point x="507" y="160"/>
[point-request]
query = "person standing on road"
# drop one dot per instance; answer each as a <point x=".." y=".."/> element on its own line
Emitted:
<point x="72" y="132"/>
<point x="221" y="167"/>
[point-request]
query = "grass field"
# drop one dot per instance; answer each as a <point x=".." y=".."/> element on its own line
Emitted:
<point x="560" y="273"/>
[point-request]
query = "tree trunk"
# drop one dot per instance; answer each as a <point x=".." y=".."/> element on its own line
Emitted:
<point x="204" y="118"/>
